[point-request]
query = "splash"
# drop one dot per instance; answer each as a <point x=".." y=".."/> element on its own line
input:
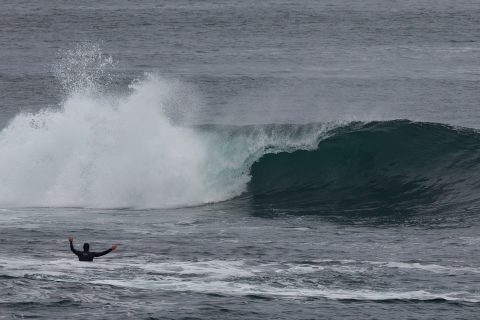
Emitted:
<point x="102" y="153"/>
<point x="125" y="150"/>
<point x="83" y="68"/>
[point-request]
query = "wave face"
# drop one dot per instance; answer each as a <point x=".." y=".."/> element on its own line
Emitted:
<point x="392" y="166"/>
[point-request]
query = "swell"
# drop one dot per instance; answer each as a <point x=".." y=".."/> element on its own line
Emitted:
<point x="374" y="167"/>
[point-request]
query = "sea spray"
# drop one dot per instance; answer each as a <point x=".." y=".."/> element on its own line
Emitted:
<point x="104" y="148"/>
<point x="84" y="68"/>
<point x="98" y="152"/>
<point x="100" y="149"/>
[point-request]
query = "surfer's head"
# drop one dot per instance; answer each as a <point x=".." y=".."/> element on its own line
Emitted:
<point x="86" y="247"/>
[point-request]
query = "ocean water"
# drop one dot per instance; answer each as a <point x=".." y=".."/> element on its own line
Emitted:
<point x="251" y="159"/>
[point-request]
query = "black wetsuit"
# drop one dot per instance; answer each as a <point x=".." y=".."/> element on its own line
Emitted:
<point x="87" y="255"/>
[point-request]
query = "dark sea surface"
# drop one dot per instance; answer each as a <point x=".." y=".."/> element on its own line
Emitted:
<point x="251" y="159"/>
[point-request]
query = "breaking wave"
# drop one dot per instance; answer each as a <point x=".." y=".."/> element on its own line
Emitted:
<point x="99" y="149"/>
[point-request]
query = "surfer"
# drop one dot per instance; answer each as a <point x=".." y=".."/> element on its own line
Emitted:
<point x="86" y="255"/>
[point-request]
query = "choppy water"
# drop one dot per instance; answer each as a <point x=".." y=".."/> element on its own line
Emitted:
<point x="276" y="159"/>
<point x="222" y="261"/>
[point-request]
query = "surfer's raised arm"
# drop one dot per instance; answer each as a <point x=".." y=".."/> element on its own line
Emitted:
<point x="99" y="254"/>
<point x="70" y="239"/>
<point x="86" y="254"/>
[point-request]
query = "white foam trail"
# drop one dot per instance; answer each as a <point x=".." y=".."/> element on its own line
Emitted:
<point x="212" y="276"/>
<point x="358" y="266"/>
<point x="243" y="289"/>
<point x="432" y="268"/>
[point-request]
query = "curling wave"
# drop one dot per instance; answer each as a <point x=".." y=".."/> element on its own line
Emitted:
<point x="390" y="166"/>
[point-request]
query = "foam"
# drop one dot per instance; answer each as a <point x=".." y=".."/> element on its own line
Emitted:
<point x="225" y="277"/>
<point x="246" y="289"/>
<point x="356" y="266"/>
<point x="127" y="149"/>
<point x="432" y="267"/>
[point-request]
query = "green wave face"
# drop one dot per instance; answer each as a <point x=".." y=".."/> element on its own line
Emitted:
<point x="377" y="168"/>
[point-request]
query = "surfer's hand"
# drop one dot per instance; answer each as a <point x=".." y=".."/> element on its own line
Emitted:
<point x="114" y="247"/>
<point x="70" y="238"/>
